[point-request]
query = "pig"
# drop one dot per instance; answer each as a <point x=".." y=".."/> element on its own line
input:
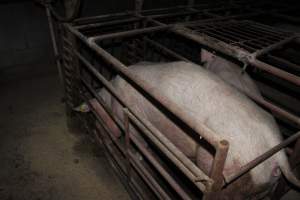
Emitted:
<point x="229" y="72"/>
<point x="208" y="99"/>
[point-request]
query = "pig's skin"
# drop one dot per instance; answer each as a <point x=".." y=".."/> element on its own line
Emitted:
<point x="249" y="129"/>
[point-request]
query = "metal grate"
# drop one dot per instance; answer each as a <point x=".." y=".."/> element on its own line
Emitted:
<point x="247" y="35"/>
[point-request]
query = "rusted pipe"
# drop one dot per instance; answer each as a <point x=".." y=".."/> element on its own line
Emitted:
<point x="200" y="179"/>
<point x="54" y="45"/>
<point x="148" y="178"/>
<point x="128" y="33"/>
<point x="246" y="168"/>
<point x="275" y="71"/>
<point x="160" y="168"/>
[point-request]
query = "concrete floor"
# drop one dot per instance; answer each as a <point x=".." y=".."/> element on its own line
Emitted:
<point x="39" y="158"/>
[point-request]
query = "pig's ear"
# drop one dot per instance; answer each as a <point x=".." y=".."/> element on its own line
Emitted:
<point x="206" y="56"/>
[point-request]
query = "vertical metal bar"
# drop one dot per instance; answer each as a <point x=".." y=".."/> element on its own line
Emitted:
<point x="54" y="45"/>
<point x="139" y="6"/>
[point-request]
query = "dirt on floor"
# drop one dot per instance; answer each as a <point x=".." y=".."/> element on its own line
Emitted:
<point x="39" y="158"/>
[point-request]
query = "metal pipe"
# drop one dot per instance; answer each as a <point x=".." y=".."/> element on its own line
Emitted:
<point x="173" y="183"/>
<point x="128" y="33"/>
<point x="275" y="71"/>
<point x="246" y="168"/>
<point x="148" y="178"/>
<point x="54" y="45"/>
<point x="109" y="23"/>
<point x="285" y="63"/>
<point x="197" y="176"/>
<point x="139" y="5"/>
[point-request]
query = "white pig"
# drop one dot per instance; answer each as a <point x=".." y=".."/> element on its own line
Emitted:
<point x="250" y="130"/>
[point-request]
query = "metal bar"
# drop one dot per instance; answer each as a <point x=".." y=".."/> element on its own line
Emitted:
<point x="160" y="169"/>
<point x="106" y="128"/>
<point x="148" y="178"/>
<point x="54" y="45"/>
<point x="216" y="173"/>
<point x="109" y="23"/>
<point x="86" y="20"/>
<point x="275" y="109"/>
<point x="285" y="62"/>
<point x="128" y="33"/>
<point x="103" y="104"/>
<point x="275" y="71"/>
<point x="139" y="5"/>
<point x="197" y="176"/>
<point x="246" y="168"/>
<point x="273" y="46"/>
<point x="136" y="191"/>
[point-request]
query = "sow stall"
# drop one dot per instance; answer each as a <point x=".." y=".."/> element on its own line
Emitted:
<point x="97" y="49"/>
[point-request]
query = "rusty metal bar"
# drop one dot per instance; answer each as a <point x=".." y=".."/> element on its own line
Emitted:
<point x="54" y="45"/>
<point x="275" y="71"/>
<point x="139" y="5"/>
<point x="197" y="176"/>
<point x="119" y="168"/>
<point x="154" y="162"/>
<point x="128" y="33"/>
<point x="216" y="173"/>
<point x="105" y="127"/>
<point x="246" y="168"/>
<point x="100" y="100"/>
<point x="148" y="178"/>
<point x="284" y="62"/>
<point x="273" y="46"/>
<point x="109" y="23"/>
<point x="86" y="20"/>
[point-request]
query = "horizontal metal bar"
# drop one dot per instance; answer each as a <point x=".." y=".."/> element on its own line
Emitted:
<point x="285" y="62"/>
<point x="128" y="33"/>
<point x="275" y="71"/>
<point x="107" y="23"/>
<point x="86" y="20"/>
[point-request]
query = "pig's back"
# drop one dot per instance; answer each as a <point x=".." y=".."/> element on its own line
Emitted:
<point x="250" y="130"/>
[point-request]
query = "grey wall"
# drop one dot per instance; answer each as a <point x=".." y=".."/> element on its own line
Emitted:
<point x="24" y="37"/>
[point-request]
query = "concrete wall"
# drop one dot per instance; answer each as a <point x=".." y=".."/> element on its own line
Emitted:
<point x="24" y="35"/>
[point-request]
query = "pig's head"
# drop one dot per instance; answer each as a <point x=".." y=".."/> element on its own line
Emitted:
<point x="206" y="56"/>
